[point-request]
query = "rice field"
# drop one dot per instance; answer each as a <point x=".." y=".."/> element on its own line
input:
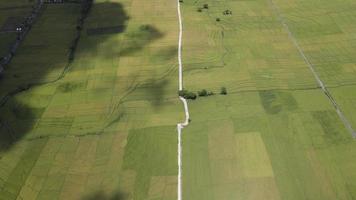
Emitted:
<point x="103" y="126"/>
<point x="97" y="127"/>
<point x="275" y="135"/>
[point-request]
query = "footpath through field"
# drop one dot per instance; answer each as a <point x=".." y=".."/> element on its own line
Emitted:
<point x="180" y="126"/>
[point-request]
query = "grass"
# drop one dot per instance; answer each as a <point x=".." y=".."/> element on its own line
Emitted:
<point x="275" y="135"/>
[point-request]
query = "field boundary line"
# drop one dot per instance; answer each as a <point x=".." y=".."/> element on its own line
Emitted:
<point x="343" y="118"/>
<point x="180" y="126"/>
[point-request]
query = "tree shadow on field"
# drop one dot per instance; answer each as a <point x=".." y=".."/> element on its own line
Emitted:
<point x="46" y="50"/>
<point x="100" y="195"/>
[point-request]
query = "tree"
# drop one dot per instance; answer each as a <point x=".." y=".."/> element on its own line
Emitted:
<point x="210" y="93"/>
<point x="199" y="10"/>
<point x="223" y="91"/>
<point x="203" y="93"/>
<point x="227" y="12"/>
<point x="182" y="93"/>
<point x="187" y="95"/>
<point x="191" y="95"/>
<point x="218" y="19"/>
<point x="206" y="6"/>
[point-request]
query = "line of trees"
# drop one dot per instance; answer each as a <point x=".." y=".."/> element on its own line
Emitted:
<point x="187" y="95"/>
<point x="201" y="93"/>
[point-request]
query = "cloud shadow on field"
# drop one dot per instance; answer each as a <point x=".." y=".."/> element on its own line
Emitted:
<point x="155" y="90"/>
<point x="104" y="20"/>
<point x="137" y="40"/>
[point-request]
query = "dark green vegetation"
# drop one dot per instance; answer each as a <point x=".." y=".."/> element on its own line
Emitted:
<point x="187" y="94"/>
<point x="202" y="93"/>
<point x="275" y="101"/>
<point x="223" y="91"/>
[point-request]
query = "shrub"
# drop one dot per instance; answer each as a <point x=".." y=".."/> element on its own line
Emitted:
<point x="206" y="6"/>
<point x="181" y="93"/>
<point x="227" y="12"/>
<point x="191" y="95"/>
<point x="145" y="27"/>
<point x="203" y="93"/>
<point x="210" y="93"/>
<point x="218" y="19"/>
<point x="223" y="91"/>
<point x="187" y="95"/>
<point x="199" y="10"/>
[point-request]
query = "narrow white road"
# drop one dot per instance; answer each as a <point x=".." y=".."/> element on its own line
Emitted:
<point x="180" y="126"/>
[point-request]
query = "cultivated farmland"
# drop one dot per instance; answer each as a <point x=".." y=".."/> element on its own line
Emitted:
<point x="102" y="126"/>
<point x="276" y="135"/>
<point x="89" y="106"/>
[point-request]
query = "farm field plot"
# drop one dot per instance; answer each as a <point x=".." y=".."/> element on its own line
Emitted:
<point x="326" y="34"/>
<point x="275" y="135"/>
<point x="104" y="125"/>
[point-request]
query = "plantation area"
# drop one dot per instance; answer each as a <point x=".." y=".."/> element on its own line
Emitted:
<point x="275" y="135"/>
<point x="99" y="123"/>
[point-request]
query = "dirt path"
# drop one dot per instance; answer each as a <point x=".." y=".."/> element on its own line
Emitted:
<point x="180" y="126"/>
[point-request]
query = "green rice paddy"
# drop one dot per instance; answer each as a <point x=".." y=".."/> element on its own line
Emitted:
<point x="275" y="135"/>
<point x="104" y="125"/>
<point x="82" y="130"/>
